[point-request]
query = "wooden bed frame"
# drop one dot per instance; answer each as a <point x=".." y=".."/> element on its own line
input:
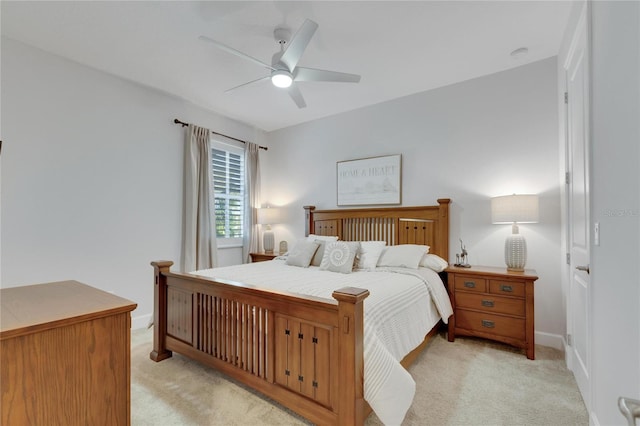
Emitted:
<point x="304" y="352"/>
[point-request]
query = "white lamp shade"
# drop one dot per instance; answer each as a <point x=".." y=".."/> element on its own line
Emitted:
<point x="514" y="209"/>
<point x="268" y="216"/>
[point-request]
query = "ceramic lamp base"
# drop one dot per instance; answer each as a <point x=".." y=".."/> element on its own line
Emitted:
<point x="268" y="241"/>
<point x="515" y="252"/>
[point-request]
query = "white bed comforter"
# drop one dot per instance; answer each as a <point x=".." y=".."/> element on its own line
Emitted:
<point x="395" y="318"/>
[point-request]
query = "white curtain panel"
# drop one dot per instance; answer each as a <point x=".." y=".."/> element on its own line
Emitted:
<point x="199" y="249"/>
<point x="251" y="236"/>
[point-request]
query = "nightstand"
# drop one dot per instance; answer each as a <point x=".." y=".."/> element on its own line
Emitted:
<point x="262" y="256"/>
<point x="493" y="303"/>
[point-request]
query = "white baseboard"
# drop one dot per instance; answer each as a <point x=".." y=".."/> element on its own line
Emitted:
<point x="142" y="321"/>
<point x="555" y="341"/>
<point x="567" y="355"/>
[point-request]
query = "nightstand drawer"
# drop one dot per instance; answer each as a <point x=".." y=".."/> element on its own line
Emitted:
<point x="493" y="324"/>
<point x="469" y="283"/>
<point x="491" y="303"/>
<point x="507" y="288"/>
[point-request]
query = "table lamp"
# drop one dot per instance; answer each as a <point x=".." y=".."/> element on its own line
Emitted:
<point x="268" y="216"/>
<point x="515" y="209"/>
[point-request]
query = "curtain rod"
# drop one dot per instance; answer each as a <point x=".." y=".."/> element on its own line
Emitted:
<point x="216" y="133"/>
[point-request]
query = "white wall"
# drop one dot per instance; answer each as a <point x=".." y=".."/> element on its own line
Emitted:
<point x="88" y="158"/>
<point x="615" y="204"/>
<point x="91" y="175"/>
<point x="490" y="136"/>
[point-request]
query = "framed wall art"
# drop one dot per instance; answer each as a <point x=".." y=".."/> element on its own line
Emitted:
<point x="370" y="181"/>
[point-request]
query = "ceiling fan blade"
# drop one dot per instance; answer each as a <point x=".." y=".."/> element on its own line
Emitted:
<point x="298" y="44"/>
<point x="312" y="74"/>
<point x="296" y="95"/>
<point x="235" y="52"/>
<point x="266" y="77"/>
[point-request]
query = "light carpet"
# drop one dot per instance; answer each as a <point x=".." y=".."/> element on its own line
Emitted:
<point x="467" y="382"/>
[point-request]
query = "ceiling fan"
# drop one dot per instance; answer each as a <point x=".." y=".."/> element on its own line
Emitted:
<point x="284" y="70"/>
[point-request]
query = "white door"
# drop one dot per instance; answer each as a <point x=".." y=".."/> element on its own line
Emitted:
<point x="579" y="300"/>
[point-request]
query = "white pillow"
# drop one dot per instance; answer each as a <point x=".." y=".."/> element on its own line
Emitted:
<point x="404" y="255"/>
<point x="368" y="254"/>
<point x="302" y="253"/>
<point x="339" y="256"/>
<point x="313" y="237"/>
<point x="433" y="261"/>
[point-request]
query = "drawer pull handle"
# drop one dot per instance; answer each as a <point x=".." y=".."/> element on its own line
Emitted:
<point x="469" y="284"/>
<point x="506" y="288"/>
<point x="488" y="324"/>
<point x="488" y="303"/>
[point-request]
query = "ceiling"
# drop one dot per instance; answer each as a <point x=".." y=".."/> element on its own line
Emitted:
<point x="399" y="48"/>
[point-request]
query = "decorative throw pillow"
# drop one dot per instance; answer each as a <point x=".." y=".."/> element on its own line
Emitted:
<point x="302" y="253"/>
<point x="339" y="256"/>
<point x="404" y="255"/>
<point x="368" y="254"/>
<point x="322" y="240"/>
<point x="317" y="257"/>
<point x="433" y="261"/>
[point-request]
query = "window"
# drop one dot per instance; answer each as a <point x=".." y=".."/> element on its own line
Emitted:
<point x="228" y="189"/>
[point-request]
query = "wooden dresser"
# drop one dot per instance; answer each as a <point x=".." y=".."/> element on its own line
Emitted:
<point x="493" y="303"/>
<point x="65" y="351"/>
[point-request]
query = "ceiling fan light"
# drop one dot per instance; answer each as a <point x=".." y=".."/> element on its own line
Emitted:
<point x="281" y="78"/>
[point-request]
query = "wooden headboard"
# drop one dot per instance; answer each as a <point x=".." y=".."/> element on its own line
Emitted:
<point x="396" y="225"/>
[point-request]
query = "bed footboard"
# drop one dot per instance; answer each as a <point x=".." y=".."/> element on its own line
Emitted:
<point x="304" y="352"/>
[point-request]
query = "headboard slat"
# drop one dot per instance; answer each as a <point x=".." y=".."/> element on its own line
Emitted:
<point x="365" y="229"/>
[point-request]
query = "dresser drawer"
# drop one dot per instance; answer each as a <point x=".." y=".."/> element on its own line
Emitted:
<point x="492" y="324"/>
<point x="470" y="283"/>
<point x="507" y="288"/>
<point x="491" y="303"/>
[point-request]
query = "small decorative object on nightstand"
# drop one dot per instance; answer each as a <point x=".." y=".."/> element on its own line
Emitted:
<point x="283" y="247"/>
<point x="461" y="258"/>
<point x="262" y="256"/>
<point x="493" y="303"/>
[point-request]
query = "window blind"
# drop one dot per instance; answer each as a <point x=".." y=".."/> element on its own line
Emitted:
<point x="228" y="188"/>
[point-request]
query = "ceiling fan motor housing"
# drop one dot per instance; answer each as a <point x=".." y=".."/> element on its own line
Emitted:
<point x="282" y="36"/>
